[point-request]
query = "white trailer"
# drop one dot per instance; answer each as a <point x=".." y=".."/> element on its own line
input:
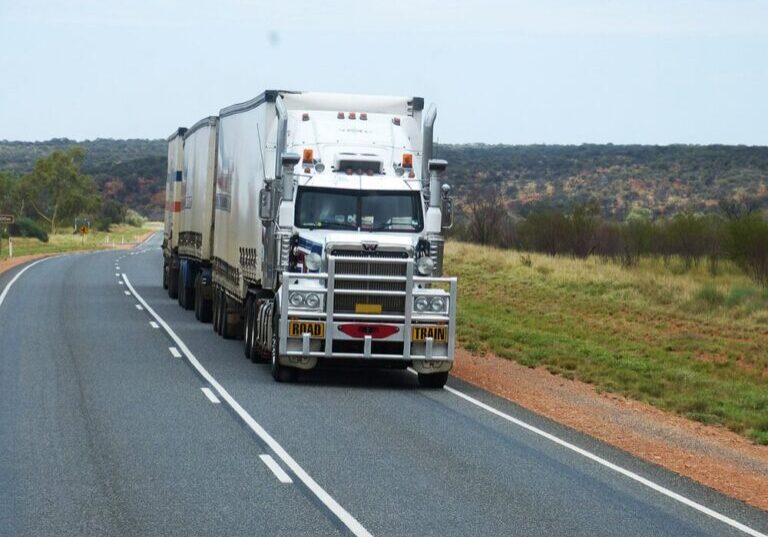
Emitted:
<point x="172" y="209"/>
<point x="195" y="237"/>
<point x="327" y="241"/>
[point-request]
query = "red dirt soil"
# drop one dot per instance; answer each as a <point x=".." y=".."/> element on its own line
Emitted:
<point x="711" y="455"/>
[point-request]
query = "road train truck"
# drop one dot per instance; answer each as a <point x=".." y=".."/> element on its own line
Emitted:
<point x="312" y="226"/>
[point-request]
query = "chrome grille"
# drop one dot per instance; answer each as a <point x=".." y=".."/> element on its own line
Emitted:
<point x="389" y="304"/>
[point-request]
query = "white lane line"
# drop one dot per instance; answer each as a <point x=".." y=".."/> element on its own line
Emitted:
<point x="127" y="293"/>
<point x="138" y="307"/>
<point x="279" y="472"/>
<point x="18" y="275"/>
<point x="174" y="352"/>
<point x="153" y="324"/>
<point x="117" y="274"/>
<point x="342" y="514"/>
<point x="623" y="471"/>
<point x="209" y="394"/>
<point x="121" y="282"/>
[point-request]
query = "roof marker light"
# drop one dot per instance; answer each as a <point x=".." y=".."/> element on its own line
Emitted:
<point x="396" y="121"/>
<point x="352" y="115"/>
<point x="307" y="155"/>
<point x="305" y="117"/>
<point x="340" y="115"/>
<point x="363" y="116"/>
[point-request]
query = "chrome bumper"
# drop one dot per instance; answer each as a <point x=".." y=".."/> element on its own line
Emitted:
<point x="298" y="282"/>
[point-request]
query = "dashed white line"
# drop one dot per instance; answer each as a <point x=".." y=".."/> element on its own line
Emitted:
<point x="127" y="293"/>
<point x="121" y="282"/>
<point x="153" y="324"/>
<point x="279" y="472"/>
<point x="342" y="514"/>
<point x="138" y="307"/>
<point x="174" y="352"/>
<point x="117" y="274"/>
<point x="209" y="394"/>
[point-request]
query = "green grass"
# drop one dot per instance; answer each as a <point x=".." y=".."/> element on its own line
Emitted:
<point x="682" y="340"/>
<point x="70" y="242"/>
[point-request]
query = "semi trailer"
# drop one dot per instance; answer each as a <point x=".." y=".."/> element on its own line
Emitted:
<point x="312" y="226"/>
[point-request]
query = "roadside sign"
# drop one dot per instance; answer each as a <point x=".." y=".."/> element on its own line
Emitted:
<point x="6" y="219"/>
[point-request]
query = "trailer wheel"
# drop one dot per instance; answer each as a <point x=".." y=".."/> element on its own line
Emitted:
<point x="280" y="372"/>
<point x="248" y="339"/>
<point x="180" y="286"/>
<point x="216" y="316"/>
<point x="165" y="275"/>
<point x="433" y="380"/>
<point x="186" y="292"/>
<point x="202" y="306"/>
<point x="173" y="282"/>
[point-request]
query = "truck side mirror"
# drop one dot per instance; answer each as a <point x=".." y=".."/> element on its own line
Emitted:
<point x="265" y="205"/>
<point x="447" y="207"/>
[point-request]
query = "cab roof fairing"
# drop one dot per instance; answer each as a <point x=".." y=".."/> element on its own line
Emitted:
<point x="377" y="137"/>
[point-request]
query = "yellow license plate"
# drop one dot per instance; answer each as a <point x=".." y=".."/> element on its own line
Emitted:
<point x="299" y="328"/>
<point x="437" y="333"/>
<point x="367" y="308"/>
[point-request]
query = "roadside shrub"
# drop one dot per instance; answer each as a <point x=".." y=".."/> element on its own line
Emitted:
<point x="710" y="295"/>
<point x="26" y="227"/>
<point x="749" y="246"/>
<point x="132" y="218"/>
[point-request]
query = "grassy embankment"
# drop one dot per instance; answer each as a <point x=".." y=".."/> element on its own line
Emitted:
<point x="682" y="340"/>
<point x="69" y="242"/>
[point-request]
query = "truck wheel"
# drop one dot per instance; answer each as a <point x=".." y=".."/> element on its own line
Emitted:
<point x="165" y="275"/>
<point x="216" y="317"/>
<point x="186" y="293"/>
<point x="280" y="372"/>
<point x="433" y="380"/>
<point x="180" y="286"/>
<point x="173" y="282"/>
<point x="248" y="339"/>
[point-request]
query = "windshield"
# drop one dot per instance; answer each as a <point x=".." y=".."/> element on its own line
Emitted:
<point x="330" y="208"/>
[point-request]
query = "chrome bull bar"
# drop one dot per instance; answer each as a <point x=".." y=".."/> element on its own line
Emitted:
<point x="293" y="281"/>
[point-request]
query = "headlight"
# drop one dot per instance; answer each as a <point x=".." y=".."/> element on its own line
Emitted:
<point x="312" y="300"/>
<point x="313" y="261"/>
<point x="425" y="265"/>
<point x="421" y="303"/>
<point x="296" y="300"/>
<point x="437" y="304"/>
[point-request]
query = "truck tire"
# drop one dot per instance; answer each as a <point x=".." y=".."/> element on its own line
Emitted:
<point x="248" y="330"/>
<point x="202" y="306"/>
<point x="280" y="372"/>
<point x="165" y="275"/>
<point x="216" y="316"/>
<point x="433" y="380"/>
<point x="186" y="292"/>
<point x="180" y="286"/>
<point x="173" y="282"/>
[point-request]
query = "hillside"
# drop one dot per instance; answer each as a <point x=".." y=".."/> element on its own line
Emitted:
<point x="664" y="179"/>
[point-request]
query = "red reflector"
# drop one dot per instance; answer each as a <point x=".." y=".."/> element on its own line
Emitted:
<point x="376" y="331"/>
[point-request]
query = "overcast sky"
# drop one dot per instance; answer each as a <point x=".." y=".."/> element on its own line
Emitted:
<point x="547" y="71"/>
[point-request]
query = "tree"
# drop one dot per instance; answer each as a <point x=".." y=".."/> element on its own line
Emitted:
<point x="56" y="189"/>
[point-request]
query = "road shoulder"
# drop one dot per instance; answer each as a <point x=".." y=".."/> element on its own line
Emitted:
<point x="712" y="456"/>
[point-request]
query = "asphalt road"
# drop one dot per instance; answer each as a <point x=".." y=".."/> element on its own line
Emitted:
<point x="105" y="429"/>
